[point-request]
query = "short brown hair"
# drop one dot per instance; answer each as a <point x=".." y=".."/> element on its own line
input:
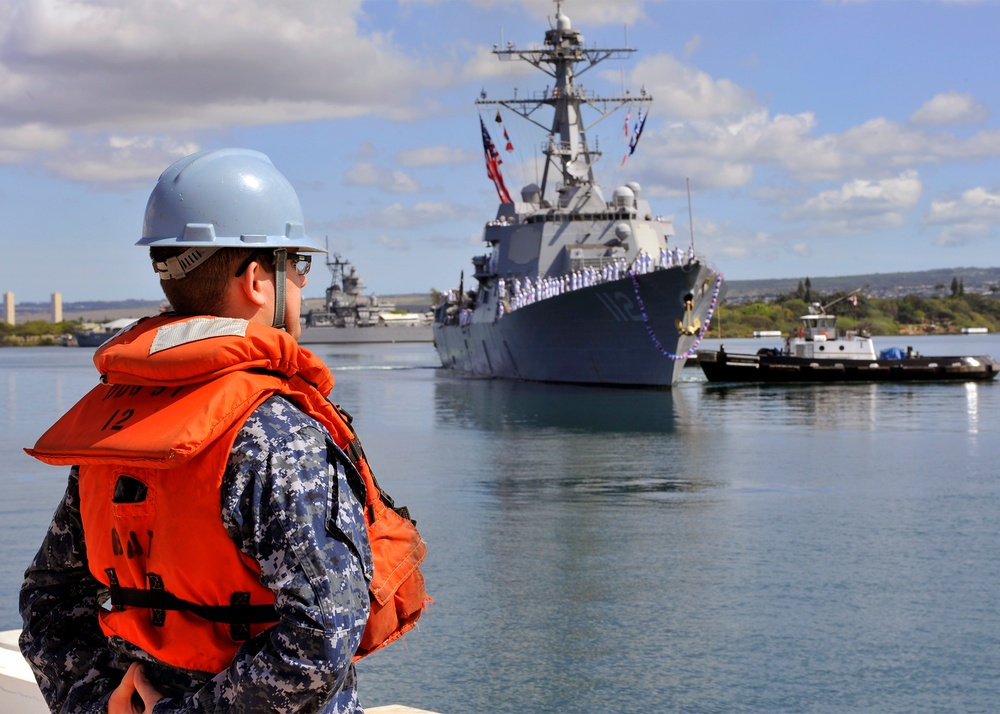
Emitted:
<point x="203" y="291"/>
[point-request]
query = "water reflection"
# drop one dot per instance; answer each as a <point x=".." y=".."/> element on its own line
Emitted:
<point x="579" y="500"/>
<point x="972" y="406"/>
<point x="821" y="406"/>
<point x="498" y="405"/>
<point x="349" y="357"/>
<point x="10" y="399"/>
<point x="846" y="407"/>
<point x="566" y="443"/>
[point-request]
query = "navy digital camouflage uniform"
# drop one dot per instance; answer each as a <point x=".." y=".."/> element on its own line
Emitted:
<point x="292" y="502"/>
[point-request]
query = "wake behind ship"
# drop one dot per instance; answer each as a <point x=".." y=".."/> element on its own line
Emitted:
<point x="575" y="288"/>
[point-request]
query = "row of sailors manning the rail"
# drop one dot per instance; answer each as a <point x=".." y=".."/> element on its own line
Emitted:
<point x="517" y="293"/>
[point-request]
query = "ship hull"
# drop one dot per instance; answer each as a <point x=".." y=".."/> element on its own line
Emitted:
<point x="92" y="339"/>
<point x="595" y="335"/>
<point x="722" y="367"/>
<point x="365" y="335"/>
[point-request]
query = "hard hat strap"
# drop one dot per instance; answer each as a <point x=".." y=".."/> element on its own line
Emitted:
<point x="180" y="266"/>
<point x="280" y="269"/>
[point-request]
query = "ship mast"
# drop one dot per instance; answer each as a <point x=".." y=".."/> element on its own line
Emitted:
<point x="566" y="148"/>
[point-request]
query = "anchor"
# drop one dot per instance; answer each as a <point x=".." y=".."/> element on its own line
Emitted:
<point x="690" y="324"/>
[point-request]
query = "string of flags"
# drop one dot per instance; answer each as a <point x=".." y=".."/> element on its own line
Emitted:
<point x="493" y="162"/>
<point x="640" y="122"/>
<point x="499" y="120"/>
<point x="701" y="333"/>
<point x="493" y="159"/>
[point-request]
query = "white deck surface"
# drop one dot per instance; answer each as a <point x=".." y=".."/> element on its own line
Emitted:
<point x="20" y="695"/>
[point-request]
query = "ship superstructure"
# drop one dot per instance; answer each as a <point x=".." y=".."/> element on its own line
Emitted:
<point x="349" y="315"/>
<point x="575" y="287"/>
<point x="346" y="304"/>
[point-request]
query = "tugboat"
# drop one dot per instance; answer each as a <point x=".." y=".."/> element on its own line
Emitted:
<point x="348" y="315"/>
<point x="820" y="353"/>
<point x="573" y="287"/>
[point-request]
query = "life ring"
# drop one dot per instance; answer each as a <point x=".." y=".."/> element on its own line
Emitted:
<point x="801" y="331"/>
<point x="823" y="335"/>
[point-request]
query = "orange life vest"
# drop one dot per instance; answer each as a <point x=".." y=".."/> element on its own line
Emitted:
<point x="175" y="393"/>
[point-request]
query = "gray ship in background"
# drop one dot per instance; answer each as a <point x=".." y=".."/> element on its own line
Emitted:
<point x="574" y="287"/>
<point x="349" y="315"/>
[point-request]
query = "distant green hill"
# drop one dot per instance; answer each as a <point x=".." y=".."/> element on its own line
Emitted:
<point x="924" y="282"/>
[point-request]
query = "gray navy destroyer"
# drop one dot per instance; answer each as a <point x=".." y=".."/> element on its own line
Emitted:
<point x="574" y="287"/>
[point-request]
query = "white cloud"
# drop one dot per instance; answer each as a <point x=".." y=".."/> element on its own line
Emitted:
<point x="393" y="243"/>
<point x="387" y="180"/>
<point x="692" y="46"/>
<point x="787" y="141"/>
<point x="19" y="143"/>
<point x="601" y="12"/>
<point x="719" y="134"/>
<point x="862" y="204"/>
<point x="145" y="67"/>
<point x="399" y="215"/>
<point x="740" y="244"/>
<point x="729" y="151"/>
<point x="881" y="142"/>
<point x="803" y="250"/>
<point x="724" y="153"/>
<point x="125" y="159"/>
<point x="683" y="92"/>
<point x="949" y="109"/>
<point x="483" y="65"/>
<point x="975" y="214"/>
<point x="589" y="13"/>
<point x="425" y="156"/>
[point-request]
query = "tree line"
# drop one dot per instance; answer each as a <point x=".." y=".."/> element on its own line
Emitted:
<point x="909" y="314"/>
<point x="36" y="332"/>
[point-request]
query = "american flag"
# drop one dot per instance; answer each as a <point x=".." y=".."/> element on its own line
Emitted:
<point x="493" y="162"/>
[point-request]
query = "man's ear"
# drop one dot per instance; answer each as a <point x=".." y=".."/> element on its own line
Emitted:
<point x="251" y="284"/>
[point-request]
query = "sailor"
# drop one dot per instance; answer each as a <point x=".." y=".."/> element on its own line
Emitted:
<point x="220" y="516"/>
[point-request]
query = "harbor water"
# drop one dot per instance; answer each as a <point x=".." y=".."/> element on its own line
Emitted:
<point x="787" y="548"/>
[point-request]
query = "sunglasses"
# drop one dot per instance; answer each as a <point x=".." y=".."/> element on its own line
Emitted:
<point x="302" y="262"/>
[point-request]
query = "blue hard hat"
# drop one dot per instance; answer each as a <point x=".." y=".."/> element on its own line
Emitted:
<point x="225" y="198"/>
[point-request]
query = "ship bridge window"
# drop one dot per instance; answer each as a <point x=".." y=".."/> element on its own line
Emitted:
<point x="565" y="217"/>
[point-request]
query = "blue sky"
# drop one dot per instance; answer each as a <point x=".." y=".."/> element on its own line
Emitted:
<point x="819" y="138"/>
